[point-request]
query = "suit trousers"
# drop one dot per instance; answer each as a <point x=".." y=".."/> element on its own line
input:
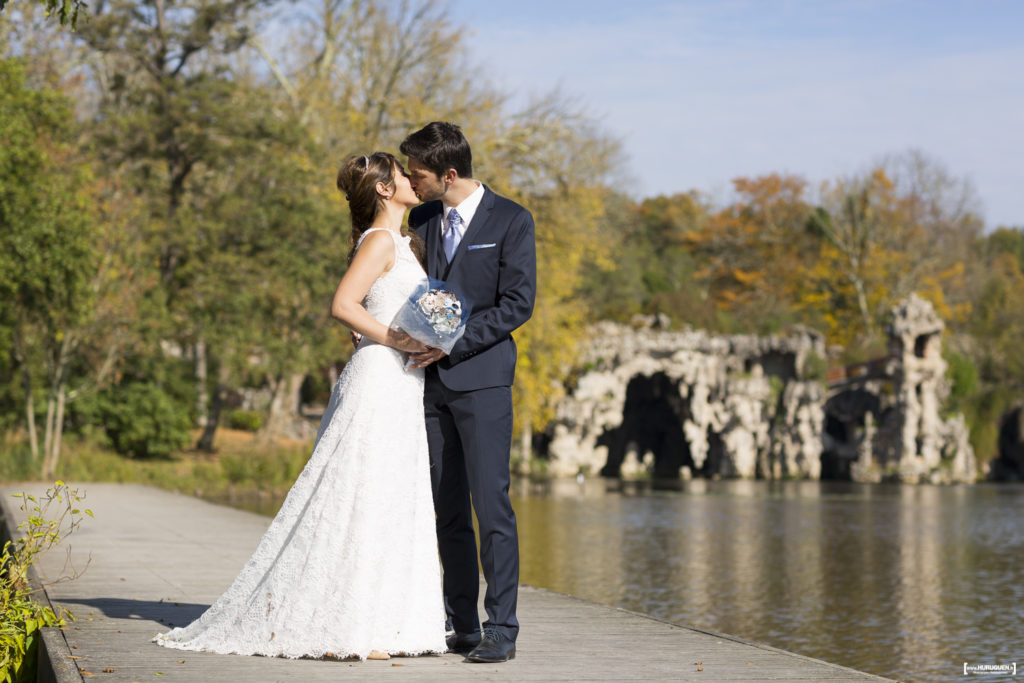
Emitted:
<point x="470" y="437"/>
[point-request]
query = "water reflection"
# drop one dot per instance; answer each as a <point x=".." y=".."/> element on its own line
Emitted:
<point x="903" y="581"/>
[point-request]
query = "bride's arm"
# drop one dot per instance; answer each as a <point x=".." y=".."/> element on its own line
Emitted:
<point x="375" y="256"/>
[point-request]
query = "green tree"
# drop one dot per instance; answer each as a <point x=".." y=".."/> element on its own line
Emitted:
<point x="170" y="121"/>
<point x="273" y="240"/>
<point x="65" y="10"/>
<point x="996" y="326"/>
<point x="48" y="254"/>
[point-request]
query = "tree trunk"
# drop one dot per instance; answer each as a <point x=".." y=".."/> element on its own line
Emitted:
<point x="202" y="395"/>
<point x="526" y="442"/>
<point x="51" y="409"/>
<point x="862" y="305"/>
<point x="53" y="454"/>
<point x="284" y="406"/>
<point x="55" y="409"/>
<point x="30" y="413"/>
<point x="220" y="395"/>
<point x="212" y="420"/>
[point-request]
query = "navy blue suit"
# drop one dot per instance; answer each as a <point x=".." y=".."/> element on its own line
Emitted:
<point x="468" y="406"/>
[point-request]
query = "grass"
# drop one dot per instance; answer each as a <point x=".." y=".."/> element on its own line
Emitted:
<point x="241" y="471"/>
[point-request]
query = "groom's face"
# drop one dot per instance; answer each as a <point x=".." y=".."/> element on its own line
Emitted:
<point x="427" y="185"/>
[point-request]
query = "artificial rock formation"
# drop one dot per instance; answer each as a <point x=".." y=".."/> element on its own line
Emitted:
<point x="691" y="403"/>
<point x="885" y="421"/>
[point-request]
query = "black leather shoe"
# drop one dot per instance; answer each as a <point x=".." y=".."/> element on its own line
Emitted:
<point x="495" y="647"/>
<point x="462" y="643"/>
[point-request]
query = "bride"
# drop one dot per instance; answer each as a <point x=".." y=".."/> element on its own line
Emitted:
<point x="349" y="566"/>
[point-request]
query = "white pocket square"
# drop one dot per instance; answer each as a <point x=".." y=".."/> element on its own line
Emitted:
<point x="482" y="246"/>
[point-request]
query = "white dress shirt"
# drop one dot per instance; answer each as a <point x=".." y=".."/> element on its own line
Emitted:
<point x="467" y="209"/>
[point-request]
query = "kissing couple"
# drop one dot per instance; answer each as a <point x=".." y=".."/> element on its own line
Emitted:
<point x="412" y="442"/>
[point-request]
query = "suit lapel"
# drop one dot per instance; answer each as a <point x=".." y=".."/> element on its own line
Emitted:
<point x="480" y="218"/>
<point x="436" y="263"/>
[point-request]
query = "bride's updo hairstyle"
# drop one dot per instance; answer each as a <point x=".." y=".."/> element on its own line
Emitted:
<point x="357" y="179"/>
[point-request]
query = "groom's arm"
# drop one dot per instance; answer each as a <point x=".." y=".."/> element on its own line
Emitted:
<point x="517" y="289"/>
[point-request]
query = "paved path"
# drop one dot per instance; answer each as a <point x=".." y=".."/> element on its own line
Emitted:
<point x="160" y="559"/>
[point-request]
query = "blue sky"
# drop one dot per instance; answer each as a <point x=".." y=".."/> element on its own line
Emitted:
<point x="703" y="91"/>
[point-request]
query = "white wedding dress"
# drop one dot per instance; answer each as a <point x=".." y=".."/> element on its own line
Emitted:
<point x="350" y="563"/>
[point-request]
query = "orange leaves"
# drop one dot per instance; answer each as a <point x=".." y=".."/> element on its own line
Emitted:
<point x="747" y="278"/>
<point x="841" y="259"/>
<point x="751" y="250"/>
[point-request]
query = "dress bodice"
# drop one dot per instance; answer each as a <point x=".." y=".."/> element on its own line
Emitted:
<point x="392" y="289"/>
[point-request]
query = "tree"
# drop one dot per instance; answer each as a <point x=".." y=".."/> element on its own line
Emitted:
<point x="273" y="245"/>
<point x="903" y="227"/>
<point x="995" y="328"/>
<point x="362" y="77"/>
<point x="65" y="10"/>
<point x="48" y="255"/>
<point x="367" y="72"/>
<point x="169" y="112"/>
<point x="747" y="252"/>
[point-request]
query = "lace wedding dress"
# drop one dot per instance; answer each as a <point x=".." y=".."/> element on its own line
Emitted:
<point x="349" y="564"/>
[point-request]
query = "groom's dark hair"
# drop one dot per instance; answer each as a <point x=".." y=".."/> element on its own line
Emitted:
<point x="440" y="146"/>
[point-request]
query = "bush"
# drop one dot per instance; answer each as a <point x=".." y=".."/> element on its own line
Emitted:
<point x="141" y="420"/>
<point x="963" y="379"/>
<point x="247" y="420"/>
<point x="22" y="618"/>
<point x="17" y="463"/>
<point x="815" y="368"/>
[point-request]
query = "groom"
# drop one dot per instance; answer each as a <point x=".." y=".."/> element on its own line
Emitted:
<point x="482" y="245"/>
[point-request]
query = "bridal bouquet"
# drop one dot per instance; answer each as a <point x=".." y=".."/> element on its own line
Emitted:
<point x="434" y="315"/>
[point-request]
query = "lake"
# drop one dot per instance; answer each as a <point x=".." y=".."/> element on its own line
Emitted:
<point x="903" y="581"/>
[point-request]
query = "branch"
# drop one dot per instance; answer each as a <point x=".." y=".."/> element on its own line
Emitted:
<point x="275" y="68"/>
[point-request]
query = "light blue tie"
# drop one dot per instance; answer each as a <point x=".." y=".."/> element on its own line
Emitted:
<point x="453" y="235"/>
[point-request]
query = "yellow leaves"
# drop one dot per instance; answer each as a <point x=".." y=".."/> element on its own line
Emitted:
<point x="566" y="237"/>
<point x="747" y="278"/>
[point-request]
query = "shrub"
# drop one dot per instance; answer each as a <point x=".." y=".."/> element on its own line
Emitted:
<point x="22" y="617"/>
<point x="248" y="420"/>
<point x="815" y="368"/>
<point x="963" y="379"/>
<point x="141" y="420"/>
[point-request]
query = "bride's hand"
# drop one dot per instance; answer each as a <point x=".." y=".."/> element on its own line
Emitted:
<point x="403" y="342"/>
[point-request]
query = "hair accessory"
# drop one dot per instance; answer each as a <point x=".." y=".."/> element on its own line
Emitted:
<point x="366" y="163"/>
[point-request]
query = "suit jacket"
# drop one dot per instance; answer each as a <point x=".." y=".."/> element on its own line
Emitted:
<point x="495" y="269"/>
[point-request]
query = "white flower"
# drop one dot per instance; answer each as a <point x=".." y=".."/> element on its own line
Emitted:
<point x="442" y="310"/>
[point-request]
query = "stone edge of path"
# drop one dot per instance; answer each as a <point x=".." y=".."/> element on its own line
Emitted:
<point x="55" y="664"/>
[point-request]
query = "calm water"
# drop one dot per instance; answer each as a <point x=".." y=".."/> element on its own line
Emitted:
<point x="903" y="581"/>
<point x="909" y="582"/>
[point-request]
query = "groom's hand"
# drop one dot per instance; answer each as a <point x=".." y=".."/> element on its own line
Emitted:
<point x="425" y="358"/>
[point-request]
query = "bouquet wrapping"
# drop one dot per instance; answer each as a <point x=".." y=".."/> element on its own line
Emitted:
<point x="434" y="314"/>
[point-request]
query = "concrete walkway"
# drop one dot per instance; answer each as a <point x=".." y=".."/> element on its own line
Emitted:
<point x="159" y="559"/>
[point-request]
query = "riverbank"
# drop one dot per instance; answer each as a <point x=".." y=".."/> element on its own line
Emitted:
<point x="240" y="467"/>
<point x="158" y="559"/>
<point x="241" y="471"/>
